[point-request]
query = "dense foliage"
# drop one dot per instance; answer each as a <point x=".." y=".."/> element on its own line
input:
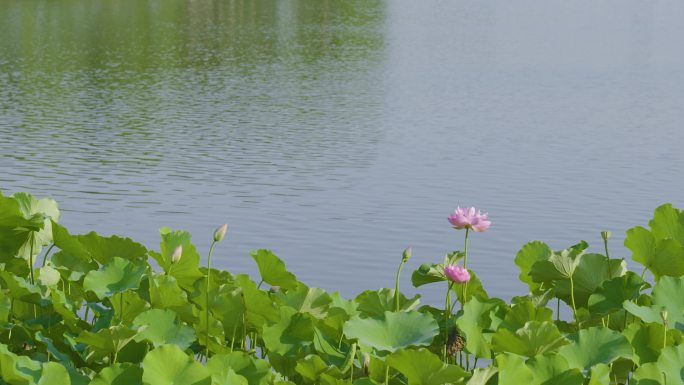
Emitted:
<point x="89" y="309"/>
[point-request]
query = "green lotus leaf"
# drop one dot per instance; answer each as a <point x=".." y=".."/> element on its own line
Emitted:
<point x="528" y="255"/>
<point x="667" y="370"/>
<point x="5" y="306"/>
<point x="114" y="277"/>
<point x="30" y="207"/>
<point x="290" y="334"/>
<point x="161" y="327"/>
<point x="72" y="268"/>
<point x="523" y="312"/>
<point x="647" y="340"/>
<point x="663" y="257"/>
<point x="17" y="230"/>
<point x="473" y="322"/>
<point x="512" y="370"/>
<point x="560" y="265"/>
<point x="668" y="295"/>
<point x="313" y="301"/>
<point x="256" y="371"/>
<point x="483" y="376"/>
<point x="168" y="364"/>
<point x="553" y="369"/>
<point x="228" y="377"/>
<point x="421" y="367"/>
<point x="165" y="293"/>
<point x="428" y="274"/>
<point x="595" y="345"/>
<point x="19" y="288"/>
<point x="313" y="366"/>
<point x="186" y="270"/>
<point x="105" y="341"/>
<point x="609" y="297"/>
<point x="119" y="374"/>
<point x="532" y="339"/>
<point x="349" y="307"/>
<point x="393" y="331"/>
<point x="259" y="306"/>
<point x="668" y="222"/>
<point x="127" y="305"/>
<point x="590" y="273"/>
<point x="272" y="269"/>
<point x="94" y="246"/>
<point x="375" y="303"/>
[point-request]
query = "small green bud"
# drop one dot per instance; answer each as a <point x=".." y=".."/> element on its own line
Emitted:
<point x="663" y="315"/>
<point x="220" y="233"/>
<point x="407" y="254"/>
<point x="424" y="268"/>
<point x="606" y="234"/>
<point x="177" y="253"/>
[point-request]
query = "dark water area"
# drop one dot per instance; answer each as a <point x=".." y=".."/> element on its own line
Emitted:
<point x="337" y="133"/>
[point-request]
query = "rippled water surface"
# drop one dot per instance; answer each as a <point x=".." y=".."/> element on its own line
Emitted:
<point x="339" y="132"/>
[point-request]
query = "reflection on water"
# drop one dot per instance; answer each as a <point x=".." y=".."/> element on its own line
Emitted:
<point x="339" y="132"/>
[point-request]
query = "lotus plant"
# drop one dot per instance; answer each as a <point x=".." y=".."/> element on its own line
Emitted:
<point x="219" y="234"/>
<point x="468" y="218"/>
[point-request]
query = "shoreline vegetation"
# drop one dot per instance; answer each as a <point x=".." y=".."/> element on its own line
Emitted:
<point x="105" y="310"/>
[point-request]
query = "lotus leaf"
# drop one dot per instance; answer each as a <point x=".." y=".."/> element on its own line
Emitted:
<point x="668" y="295"/>
<point x="595" y="345"/>
<point x="532" y="339"/>
<point x="272" y="269"/>
<point x="393" y="331"/>
<point x="421" y="367"/>
<point x="168" y="364"/>
<point x="161" y="327"/>
<point x="116" y="276"/>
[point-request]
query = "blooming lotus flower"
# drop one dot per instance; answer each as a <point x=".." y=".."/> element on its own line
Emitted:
<point x="457" y="273"/>
<point x="468" y="218"/>
<point x="177" y="252"/>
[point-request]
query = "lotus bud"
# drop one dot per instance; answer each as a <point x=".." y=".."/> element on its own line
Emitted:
<point x="177" y="252"/>
<point x="366" y="362"/>
<point x="220" y="233"/>
<point x="274" y="289"/>
<point x="407" y="254"/>
<point x="606" y="234"/>
<point x="663" y="315"/>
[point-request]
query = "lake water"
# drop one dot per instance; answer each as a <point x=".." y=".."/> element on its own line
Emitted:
<point x="337" y="133"/>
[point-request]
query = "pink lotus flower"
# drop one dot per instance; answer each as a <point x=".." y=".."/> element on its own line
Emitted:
<point x="469" y="219"/>
<point x="457" y="273"/>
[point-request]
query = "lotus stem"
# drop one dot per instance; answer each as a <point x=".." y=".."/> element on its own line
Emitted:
<point x="33" y="281"/>
<point x="572" y="298"/>
<point x="47" y="252"/>
<point x="447" y="315"/>
<point x="605" y="235"/>
<point x="465" y="264"/>
<point x="404" y="258"/>
<point x="211" y="249"/>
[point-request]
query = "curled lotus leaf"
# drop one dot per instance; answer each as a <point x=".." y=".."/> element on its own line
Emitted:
<point x="116" y="276"/>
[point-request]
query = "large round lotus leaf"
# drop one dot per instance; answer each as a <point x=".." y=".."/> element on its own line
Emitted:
<point x="668" y="295"/>
<point x="590" y="273"/>
<point x="668" y="222"/>
<point x="560" y="265"/>
<point x="186" y="270"/>
<point x="168" y="364"/>
<point x="119" y="374"/>
<point x="162" y="327"/>
<point x="532" y="339"/>
<point x="314" y="301"/>
<point x="659" y="250"/>
<point x="647" y="340"/>
<point x="473" y="321"/>
<point x="528" y="255"/>
<point x="524" y="312"/>
<point x="513" y="371"/>
<point x="291" y="334"/>
<point x="256" y="371"/>
<point x="393" y="331"/>
<point x="595" y="345"/>
<point x="553" y="369"/>
<point x="116" y="276"/>
<point x="272" y="269"/>
<point x="375" y="303"/>
<point x="53" y="373"/>
<point x="421" y="367"/>
<point x="31" y="207"/>
<point x="612" y="293"/>
<point x="667" y="370"/>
